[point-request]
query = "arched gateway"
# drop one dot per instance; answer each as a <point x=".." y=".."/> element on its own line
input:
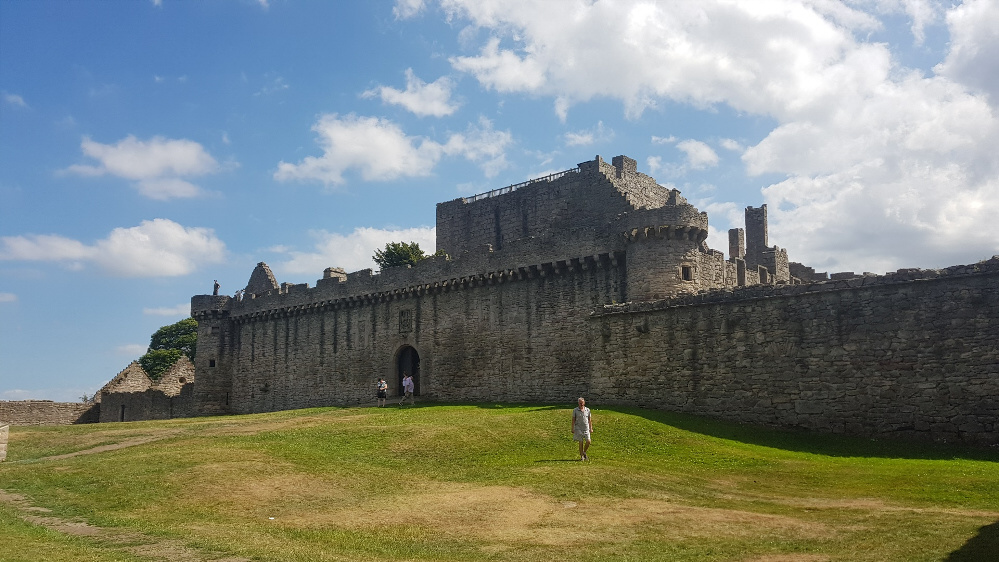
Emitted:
<point x="408" y="361"/>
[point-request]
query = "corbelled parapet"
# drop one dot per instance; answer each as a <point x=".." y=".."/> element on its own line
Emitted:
<point x="208" y="305"/>
<point x="668" y="232"/>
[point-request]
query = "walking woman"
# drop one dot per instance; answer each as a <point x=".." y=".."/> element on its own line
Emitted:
<point x="582" y="427"/>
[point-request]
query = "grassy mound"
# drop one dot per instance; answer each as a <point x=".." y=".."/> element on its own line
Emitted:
<point x="486" y="482"/>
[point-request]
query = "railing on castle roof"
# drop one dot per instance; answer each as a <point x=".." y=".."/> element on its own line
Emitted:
<point x="516" y="186"/>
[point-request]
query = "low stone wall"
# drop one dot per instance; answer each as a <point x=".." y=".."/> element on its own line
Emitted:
<point x="44" y="412"/>
<point x="4" y="430"/>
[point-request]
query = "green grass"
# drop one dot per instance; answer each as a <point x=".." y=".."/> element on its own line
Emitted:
<point x="499" y="482"/>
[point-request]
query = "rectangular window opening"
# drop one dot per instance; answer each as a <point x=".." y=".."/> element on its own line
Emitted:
<point x="405" y="321"/>
<point x="686" y="273"/>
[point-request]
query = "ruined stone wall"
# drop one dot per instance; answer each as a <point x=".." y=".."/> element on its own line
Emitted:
<point x="44" y="412"/>
<point x="151" y="404"/>
<point x="911" y="355"/>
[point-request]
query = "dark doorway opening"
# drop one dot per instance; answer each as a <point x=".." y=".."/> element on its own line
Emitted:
<point x="121" y="415"/>
<point x="408" y="362"/>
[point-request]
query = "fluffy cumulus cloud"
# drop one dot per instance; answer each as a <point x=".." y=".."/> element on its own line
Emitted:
<point x="699" y="154"/>
<point x="352" y="251"/>
<point x="155" y="248"/>
<point x="974" y="54"/>
<point x="156" y="166"/>
<point x="886" y="166"/>
<point x="422" y="99"/>
<point x="379" y="150"/>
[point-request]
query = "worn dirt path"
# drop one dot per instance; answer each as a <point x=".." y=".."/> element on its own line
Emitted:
<point x="139" y="544"/>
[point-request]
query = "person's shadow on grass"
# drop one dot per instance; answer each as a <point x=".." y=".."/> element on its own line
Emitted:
<point x="983" y="546"/>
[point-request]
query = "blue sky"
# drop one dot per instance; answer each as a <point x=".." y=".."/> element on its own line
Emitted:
<point x="148" y="148"/>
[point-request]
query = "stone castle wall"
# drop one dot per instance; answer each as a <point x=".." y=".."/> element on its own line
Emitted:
<point x="44" y="412"/>
<point x="912" y="355"/>
<point x="331" y="354"/>
<point x="525" y="308"/>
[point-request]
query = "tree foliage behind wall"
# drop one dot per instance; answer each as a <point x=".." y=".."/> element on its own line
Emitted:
<point x="167" y="345"/>
<point x="401" y="253"/>
<point x="398" y="253"/>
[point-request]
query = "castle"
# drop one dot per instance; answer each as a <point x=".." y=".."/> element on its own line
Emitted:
<point x="597" y="282"/>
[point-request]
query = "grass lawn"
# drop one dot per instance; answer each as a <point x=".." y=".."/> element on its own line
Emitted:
<point x="497" y="482"/>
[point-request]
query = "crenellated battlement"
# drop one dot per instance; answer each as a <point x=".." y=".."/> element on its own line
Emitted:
<point x="667" y="232"/>
<point x="364" y="288"/>
<point x="986" y="268"/>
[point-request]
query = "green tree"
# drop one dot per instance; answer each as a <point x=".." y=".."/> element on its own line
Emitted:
<point x="167" y="345"/>
<point x="398" y="253"/>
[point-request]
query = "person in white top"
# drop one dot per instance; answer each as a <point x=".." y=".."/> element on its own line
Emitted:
<point x="408" y="387"/>
<point x="582" y="427"/>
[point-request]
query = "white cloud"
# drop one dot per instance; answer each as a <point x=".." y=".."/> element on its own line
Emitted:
<point x="381" y="151"/>
<point x="15" y="100"/>
<point x="503" y="70"/>
<point x="134" y="349"/>
<point x="887" y="167"/>
<point x="155" y="248"/>
<point x="8" y="297"/>
<point x="974" y="47"/>
<point x="483" y="145"/>
<point x="655" y="164"/>
<point x="407" y="8"/>
<point x="699" y="155"/>
<point x="182" y="309"/>
<point x="167" y="188"/>
<point x="731" y="144"/>
<point x="156" y="166"/>
<point x="378" y="148"/>
<point x="353" y="251"/>
<point x="663" y="140"/>
<point x="588" y="137"/>
<point x="273" y="86"/>
<point x="422" y="99"/>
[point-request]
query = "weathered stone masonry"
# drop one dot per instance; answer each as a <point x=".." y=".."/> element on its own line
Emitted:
<point x="528" y="307"/>
<point x="911" y="355"/>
